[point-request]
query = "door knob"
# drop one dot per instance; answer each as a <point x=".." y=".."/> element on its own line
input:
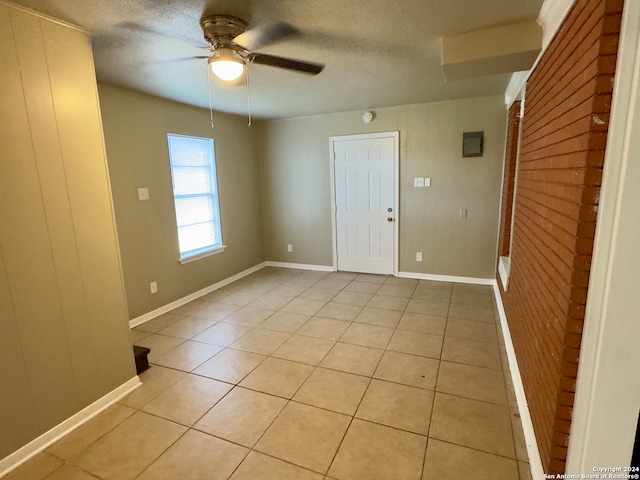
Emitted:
<point x="389" y="219"/>
<point x="389" y="209"/>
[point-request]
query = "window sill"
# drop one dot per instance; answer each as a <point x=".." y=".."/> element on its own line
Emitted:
<point x="198" y="256"/>
<point x="504" y="267"/>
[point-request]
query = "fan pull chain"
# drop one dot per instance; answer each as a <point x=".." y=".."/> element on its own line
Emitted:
<point x="248" y="93"/>
<point x="210" y="100"/>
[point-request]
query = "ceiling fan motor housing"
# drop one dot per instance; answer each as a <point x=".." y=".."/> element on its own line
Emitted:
<point x="220" y="30"/>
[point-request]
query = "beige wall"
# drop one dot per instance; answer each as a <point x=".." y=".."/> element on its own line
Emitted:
<point x="296" y="184"/>
<point x="64" y="340"/>
<point x="136" y="128"/>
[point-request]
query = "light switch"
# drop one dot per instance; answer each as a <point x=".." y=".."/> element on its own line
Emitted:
<point x="418" y="182"/>
<point x="427" y="182"/>
<point x="143" y="193"/>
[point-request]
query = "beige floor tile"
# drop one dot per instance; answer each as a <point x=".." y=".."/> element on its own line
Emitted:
<point x="159" y="345"/>
<point x="223" y="334"/>
<point x="261" y="341"/>
<point x="404" y="282"/>
<point x="337" y="391"/>
<point x="305" y="435"/>
<point x="472" y="423"/>
<point x="376" y="452"/>
<point x="353" y="359"/>
<point x="304" y="349"/>
<point x="188" y="355"/>
<point x="371" y="278"/>
<point x="407" y="369"/>
<point x="339" y="311"/>
<point x="69" y="472"/>
<point x="191" y="307"/>
<point x="242" y="416"/>
<point x="388" y="302"/>
<point x="155" y="380"/>
<point x="415" y="343"/>
<point x="36" y="468"/>
<point x="303" y="306"/>
<point x="472" y="382"/>
<point x="188" y="400"/>
<point x="242" y="298"/>
<point x="472" y="330"/>
<point x="75" y="442"/>
<point x="262" y="467"/>
<point x="379" y="316"/>
<point x="367" y="335"/>
<point x="326" y="328"/>
<point x="480" y="354"/>
<point x="478" y="313"/>
<point x="197" y="456"/>
<point x="362" y="287"/>
<point x="111" y="456"/>
<point x="188" y="327"/>
<point x="398" y="406"/>
<point x="137" y="335"/>
<point x="271" y="301"/>
<point x="484" y="298"/>
<point x="396" y="290"/>
<point x="249" y="316"/>
<point x="435" y="285"/>
<point x="160" y="322"/>
<point x="342" y="276"/>
<point x="278" y="377"/>
<point x="418" y="305"/>
<point x="433" y="295"/>
<point x="319" y="294"/>
<point x="525" y="471"/>
<point x="216" y="311"/>
<point x="422" y="323"/>
<point x="445" y="461"/>
<point x="285" y="322"/>
<point x="519" y="441"/>
<point x="230" y="365"/>
<point x="472" y="288"/>
<point x="334" y="284"/>
<point x="352" y="298"/>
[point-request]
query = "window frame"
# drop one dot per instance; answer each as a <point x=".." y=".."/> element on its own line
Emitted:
<point x="212" y="196"/>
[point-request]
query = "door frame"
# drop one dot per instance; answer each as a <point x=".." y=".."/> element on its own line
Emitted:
<point x="395" y="135"/>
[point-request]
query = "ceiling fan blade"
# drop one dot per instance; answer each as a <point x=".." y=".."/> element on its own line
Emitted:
<point x="258" y="37"/>
<point x="289" y="64"/>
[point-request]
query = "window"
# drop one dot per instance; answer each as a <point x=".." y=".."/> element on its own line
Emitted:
<point x="195" y="195"/>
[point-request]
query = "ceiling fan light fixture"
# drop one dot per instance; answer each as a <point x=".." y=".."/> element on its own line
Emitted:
<point x="226" y="64"/>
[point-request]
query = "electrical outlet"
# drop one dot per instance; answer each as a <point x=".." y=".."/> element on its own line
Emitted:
<point x="418" y="182"/>
<point x="143" y="193"/>
<point x="289" y="248"/>
<point x="418" y="256"/>
<point x="153" y="286"/>
<point x="463" y="213"/>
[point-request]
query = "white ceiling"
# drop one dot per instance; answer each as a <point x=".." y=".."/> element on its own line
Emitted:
<point x="377" y="52"/>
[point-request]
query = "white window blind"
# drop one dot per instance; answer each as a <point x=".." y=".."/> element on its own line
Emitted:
<point x="195" y="194"/>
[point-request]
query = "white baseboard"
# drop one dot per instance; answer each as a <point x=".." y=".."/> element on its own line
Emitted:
<point x="134" y="322"/>
<point x="301" y="266"/>
<point x="446" y="278"/>
<point x="537" y="470"/>
<point x="36" y="446"/>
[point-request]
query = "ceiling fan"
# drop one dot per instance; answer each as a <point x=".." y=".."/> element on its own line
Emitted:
<point x="233" y="46"/>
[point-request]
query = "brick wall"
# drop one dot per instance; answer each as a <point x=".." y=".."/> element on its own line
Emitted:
<point x="509" y="177"/>
<point x="564" y="132"/>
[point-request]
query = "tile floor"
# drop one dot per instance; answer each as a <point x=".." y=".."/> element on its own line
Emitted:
<point x="290" y="374"/>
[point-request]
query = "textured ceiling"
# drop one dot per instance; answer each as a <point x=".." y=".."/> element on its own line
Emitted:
<point x="377" y="52"/>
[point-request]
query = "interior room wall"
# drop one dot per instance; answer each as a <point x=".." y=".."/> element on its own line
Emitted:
<point x="296" y="184"/>
<point x="64" y="337"/>
<point x="564" y="134"/>
<point x="136" y="128"/>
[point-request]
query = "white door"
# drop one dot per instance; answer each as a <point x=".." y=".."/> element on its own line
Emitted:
<point x="365" y="202"/>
